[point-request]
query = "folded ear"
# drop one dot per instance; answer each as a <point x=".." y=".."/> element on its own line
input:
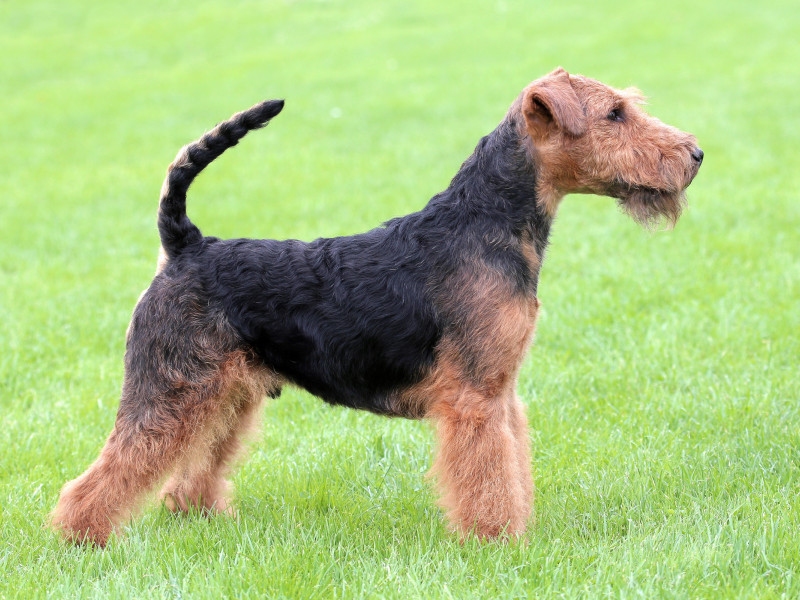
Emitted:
<point x="552" y="101"/>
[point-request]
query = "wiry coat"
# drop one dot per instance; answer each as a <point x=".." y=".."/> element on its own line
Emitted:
<point x="429" y="315"/>
<point x="356" y="319"/>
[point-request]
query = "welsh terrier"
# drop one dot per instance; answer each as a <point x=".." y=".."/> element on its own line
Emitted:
<point x="428" y="316"/>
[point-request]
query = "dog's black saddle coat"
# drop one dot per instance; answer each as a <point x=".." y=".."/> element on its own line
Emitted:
<point x="348" y="319"/>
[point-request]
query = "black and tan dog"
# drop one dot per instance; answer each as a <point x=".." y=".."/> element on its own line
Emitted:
<point x="427" y="316"/>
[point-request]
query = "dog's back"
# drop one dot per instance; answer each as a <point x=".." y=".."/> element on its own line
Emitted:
<point x="349" y="319"/>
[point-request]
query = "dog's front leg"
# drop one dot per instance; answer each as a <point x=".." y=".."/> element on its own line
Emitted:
<point x="482" y="465"/>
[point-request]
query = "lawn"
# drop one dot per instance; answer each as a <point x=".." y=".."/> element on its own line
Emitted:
<point x="663" y="388"/>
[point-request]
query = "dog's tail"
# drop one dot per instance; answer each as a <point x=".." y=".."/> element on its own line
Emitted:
<point x="175" y="228"/>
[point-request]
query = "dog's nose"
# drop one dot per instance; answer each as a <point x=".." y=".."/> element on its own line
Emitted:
<point x="697" y="155"/>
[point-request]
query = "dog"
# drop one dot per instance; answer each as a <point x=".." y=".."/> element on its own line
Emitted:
<point x="428" y="316"/>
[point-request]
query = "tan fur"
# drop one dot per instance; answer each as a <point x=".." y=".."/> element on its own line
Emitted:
<point x="579" y="151"/>
<point x="199" y="480"/>
<point x="482" y="465"/>
<point x="162" y="260"/>
<point x="200" y="444"/>
<point x="529" y="253"/>
<point x="476" y="464"/>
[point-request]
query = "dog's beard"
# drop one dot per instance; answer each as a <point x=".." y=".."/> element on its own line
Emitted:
<point x="652" y="208"/>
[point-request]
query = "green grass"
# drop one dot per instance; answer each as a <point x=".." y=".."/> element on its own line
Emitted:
<point x="662" y="389"/>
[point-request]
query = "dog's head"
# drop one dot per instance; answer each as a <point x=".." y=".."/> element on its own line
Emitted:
<point x="586" y="137"/>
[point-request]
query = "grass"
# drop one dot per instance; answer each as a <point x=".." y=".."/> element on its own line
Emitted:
<point x="663" y="387"/>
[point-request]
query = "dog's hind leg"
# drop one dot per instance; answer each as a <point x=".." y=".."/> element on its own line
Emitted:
<point x="200" y="479"/>
<point x="150" y="437"/>
<point x="187" y="384"/>
<point x="135" y="457"/>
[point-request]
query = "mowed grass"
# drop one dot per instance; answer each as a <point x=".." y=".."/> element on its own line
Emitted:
<point x="663" y="387"/>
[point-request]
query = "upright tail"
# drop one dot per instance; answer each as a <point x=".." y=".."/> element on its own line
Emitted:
<point x="175" y="228"/>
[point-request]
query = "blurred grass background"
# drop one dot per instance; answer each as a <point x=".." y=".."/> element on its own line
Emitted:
<point x="663" y="386"/>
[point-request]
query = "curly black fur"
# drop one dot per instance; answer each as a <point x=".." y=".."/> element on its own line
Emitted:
<point x="175" y="228"/>
<point x="354" y="319"/>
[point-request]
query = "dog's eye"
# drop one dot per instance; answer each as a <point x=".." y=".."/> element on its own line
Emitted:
<point x="615" y="115"/>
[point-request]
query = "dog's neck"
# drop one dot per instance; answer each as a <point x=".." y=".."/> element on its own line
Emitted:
<point x="497" y="186"/>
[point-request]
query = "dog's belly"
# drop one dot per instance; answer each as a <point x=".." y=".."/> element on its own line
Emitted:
<point x="344" y="318"/>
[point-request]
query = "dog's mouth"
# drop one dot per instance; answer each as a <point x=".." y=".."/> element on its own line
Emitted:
<point x="649" y="206"/>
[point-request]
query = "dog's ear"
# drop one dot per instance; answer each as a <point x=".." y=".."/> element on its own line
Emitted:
<point x="552" y="102"/>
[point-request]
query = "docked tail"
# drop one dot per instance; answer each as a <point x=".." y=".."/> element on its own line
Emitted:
<point x="175" y="228"/>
